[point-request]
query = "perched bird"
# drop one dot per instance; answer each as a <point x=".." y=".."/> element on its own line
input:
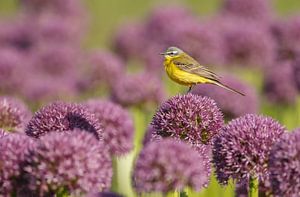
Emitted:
<point x="185" y="70"/>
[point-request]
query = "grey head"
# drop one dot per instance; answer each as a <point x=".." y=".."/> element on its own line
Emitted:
<point x="172" y="51"/>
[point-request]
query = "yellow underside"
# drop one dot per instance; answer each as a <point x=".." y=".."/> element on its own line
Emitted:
<point x="182" y="77"/>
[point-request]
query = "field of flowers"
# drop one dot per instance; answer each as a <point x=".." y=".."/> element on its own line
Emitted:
<point x="86" y="108"/>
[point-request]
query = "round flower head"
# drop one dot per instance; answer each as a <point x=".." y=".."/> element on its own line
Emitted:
<point x="242" y="149"/>
<point x="117" y="125"/>
<point x="105" y="68"/>
<point x="279" y="84"/>
<point x="255" y="9"/>
<point x="14" y="114"/>
<point x="129" y="40"/>
<point x="137" y="90"/>
<point x="73" y="161"/>
<point x="224" y="97"/>
<point x="240" y="42"/>
<point x="13" y="148"/>
<point x="287" y="34"/>
<point x="284" y="165"/>
<point x="188" y="117"/>
<point x="60" y="116"/>
<point x="169" y="165"/>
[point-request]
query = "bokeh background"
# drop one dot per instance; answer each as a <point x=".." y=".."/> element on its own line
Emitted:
<point x="109" y="49"/>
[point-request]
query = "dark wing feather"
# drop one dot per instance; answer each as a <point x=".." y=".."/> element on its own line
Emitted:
<point x="188" y="64"/>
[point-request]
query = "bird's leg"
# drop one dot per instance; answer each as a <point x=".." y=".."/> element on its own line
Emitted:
<point x="190" y="88"/>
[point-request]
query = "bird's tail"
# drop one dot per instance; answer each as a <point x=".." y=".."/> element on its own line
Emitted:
<point x="228" y="88"/>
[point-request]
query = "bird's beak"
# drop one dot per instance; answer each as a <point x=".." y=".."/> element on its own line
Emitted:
<point x="162" y="54"/>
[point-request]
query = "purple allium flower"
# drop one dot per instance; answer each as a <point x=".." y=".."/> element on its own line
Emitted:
<point x="258" y="10"/>
<point x="129" y="40"/>
<point x="105" y="68"/>
<point x="279" y="84"/>
<point x="240" y="41"/>
<point x="74" y="161"/>
<point x="192" y="118"/>
<point x="287" y="34"/>
<point x="169" y="165"/>
<point x="57" y="60"/>
<point x="18" y="34"/>
<point x="225" y="98"/>
<point x="13" y="148"/>
<point x="11" y="68"/>
<point x="284" y="165"/>
<point x="14" y="114"/>
<point x="161" y="19"/>
<point x="118" y="130"/>
<point x="104" y="194"/>
<point x="60" y="116"/>
<point x="242" y="149"/>
<point x="137" y="89"/>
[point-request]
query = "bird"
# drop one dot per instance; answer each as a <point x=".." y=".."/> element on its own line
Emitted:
<point x="185" y="70"/>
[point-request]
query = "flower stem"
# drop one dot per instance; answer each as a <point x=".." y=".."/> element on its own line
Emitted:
<point x="253" y="187"/>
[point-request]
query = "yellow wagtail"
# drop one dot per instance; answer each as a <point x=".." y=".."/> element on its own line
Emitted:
<point x="185" y="70"/>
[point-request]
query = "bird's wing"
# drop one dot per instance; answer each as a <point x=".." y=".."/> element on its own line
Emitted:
<point x="188" y="64"/>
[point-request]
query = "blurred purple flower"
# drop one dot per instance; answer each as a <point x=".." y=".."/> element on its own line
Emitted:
<point x="14" y="114"/>
<point x="225" y="98"/>
<point x="279" y="84"/>
<point x="259" y="10"/>
<point x="11" y="68"/>
<point x="284" y="165"/>
<point x="296" y="68"/>
<point x="74" y="161"/>
<point x="105" y="68"/>
<point x="61" y="116"/>
<point x="137" y="89"/>
<point x="104" y="194"/>
<point x="18" y="34"/>
<point x="118" y="130"/>
<point x="287" y="35"/>
<point x="192" y="118"/>
<point x="13" y="148"/>
<point x="169" y="165"/>
<point x="129" y="40"/>
<point x="242" y="149"/>
<point x="241" y="41"/>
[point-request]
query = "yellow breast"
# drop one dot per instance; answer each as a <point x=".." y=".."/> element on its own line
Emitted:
<point x="180" y="76"/>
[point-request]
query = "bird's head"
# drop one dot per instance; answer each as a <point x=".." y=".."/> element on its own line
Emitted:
<point x="172" y="52"/>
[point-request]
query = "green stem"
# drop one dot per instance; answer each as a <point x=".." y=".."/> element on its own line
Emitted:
<point x="253" y="187"/>
<point x="114" y="184"/>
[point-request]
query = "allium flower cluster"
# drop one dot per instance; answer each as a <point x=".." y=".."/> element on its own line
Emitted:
<point x="14" y="114"/>
<point x="287" y="34"/>
<point x="118" y="130"/>
<point x="240" y="42"/>
<point x="138" y="89"/>
<point x="284" y="165"/>
<point x="60" y="116"/>
<point x="242" y="149"/>
<point x="255" y="9"/>
<point x="74" y="161"/>
<point x="105" y="68"/>
<point x="225" y="98"/>
<point x="104" y="194"/>
<point x="169" y="165"/>
<point x="13" y="148"/>
<point x="3" y="133"/>
<point x="279" y="83"/>
<point x="192" y="118"/>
